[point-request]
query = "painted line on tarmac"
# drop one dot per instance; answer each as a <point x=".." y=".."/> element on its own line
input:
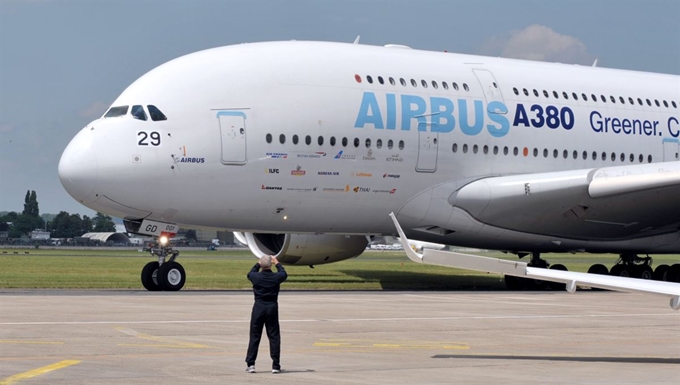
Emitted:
<point x="505" y="317"/>
<point x="161" y="342"/>
<point x="39" y="371"/>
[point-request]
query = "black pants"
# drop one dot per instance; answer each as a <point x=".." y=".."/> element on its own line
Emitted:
<point x="265" y="314"/>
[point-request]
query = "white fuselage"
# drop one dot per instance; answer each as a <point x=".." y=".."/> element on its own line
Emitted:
<point x="226" y="158"/>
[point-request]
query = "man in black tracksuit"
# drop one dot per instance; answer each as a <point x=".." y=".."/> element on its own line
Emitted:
<point x="266" y="286"/>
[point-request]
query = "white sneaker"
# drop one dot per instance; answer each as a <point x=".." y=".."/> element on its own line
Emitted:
<point x="250" y="369"/>
<point x="276" y="371"/>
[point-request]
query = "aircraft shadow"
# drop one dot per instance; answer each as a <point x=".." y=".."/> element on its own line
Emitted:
<point x="395" y="280"/>
<point x="632" y="360"/>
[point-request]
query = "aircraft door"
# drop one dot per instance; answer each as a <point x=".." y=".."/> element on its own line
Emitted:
<point x="671" y="150"/>
<point x="428" y="148"/>
<point x="491" y="91"/>
<point x="233" y="133"/>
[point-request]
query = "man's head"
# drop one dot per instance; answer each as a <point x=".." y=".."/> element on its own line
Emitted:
<point x="266" y="262"/>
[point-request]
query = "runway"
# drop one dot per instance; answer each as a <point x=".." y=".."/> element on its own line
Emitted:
<point x="137" y="337"/>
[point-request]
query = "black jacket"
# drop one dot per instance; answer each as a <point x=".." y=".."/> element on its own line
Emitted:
<point x="266" y="283"/>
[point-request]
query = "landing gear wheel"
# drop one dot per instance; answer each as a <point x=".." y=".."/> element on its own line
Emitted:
<point x="598" y="269"/>
<point x="620" y="271"/>
<point x="515" y="283"/>
<point x="557" y="285"/>
<point x="661" y="273"/>
<point x="643" y="272"/>
<point x="171" y="276"/>
<point x="150" y="277"/>
<point x="674" y="273"/>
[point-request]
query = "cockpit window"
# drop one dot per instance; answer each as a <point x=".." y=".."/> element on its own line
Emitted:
<point x="155" y="113"/>
<point x="138" y="112"/>
<point x="116" y="111"/>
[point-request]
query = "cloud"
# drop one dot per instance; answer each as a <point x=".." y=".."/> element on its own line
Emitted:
<point x="538" y="42"/>
<point x="6" y="128"/>
<point x="94" y="110"/>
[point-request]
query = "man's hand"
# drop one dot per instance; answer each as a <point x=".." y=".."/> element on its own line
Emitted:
<point x="274" y="260"/>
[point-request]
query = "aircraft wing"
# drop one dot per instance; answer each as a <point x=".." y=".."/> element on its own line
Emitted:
<point x="520" y="269"/>
<point x="608" y="203"/>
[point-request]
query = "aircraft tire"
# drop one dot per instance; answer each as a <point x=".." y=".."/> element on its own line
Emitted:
<point x="557" y="285"/>
<point x="598" y="269"/>
<point x="171" y="276"/>
<point x="149" y="277"/>
<point x="661" y="273"/>
<point x="620" y="271"/>
<point x="514" y="283"/>
<point x="643" y="272"/>
<point x="674" y="273"/>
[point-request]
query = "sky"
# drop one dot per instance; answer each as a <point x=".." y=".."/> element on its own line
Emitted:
<point x="63" y="62"/>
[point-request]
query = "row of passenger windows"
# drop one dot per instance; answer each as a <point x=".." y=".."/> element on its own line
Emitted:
<point x="546" y="153"/>
<point x="414" y="83"/>
<point x="137" y="112"/>
<point x="332" y="141"/>
<point x="603" y="98"/>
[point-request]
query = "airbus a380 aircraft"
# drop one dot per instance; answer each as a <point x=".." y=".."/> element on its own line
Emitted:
<point x="304" y="148"/>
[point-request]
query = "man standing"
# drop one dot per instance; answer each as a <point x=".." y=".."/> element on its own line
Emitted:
<point x="266" y="286"/>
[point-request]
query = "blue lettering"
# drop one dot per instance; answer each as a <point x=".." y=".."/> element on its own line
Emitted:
<point x="674" y="130"/>
<point x="539" y="120"/>
<point x="391" y="112"/>
<point x="407" y="113"/>
<point x="369" y="102"/>
<point x="502" y="120"/>
<point x="436" y="105"/>
<point x="478" y="124"/>
<point x="596" y="124"/>
<point x="521" y="116"/>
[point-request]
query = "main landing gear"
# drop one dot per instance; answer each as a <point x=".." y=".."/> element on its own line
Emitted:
<point x="631" y="265"/>
<point x="628" y="265"/>
<point x="166" y="274"/>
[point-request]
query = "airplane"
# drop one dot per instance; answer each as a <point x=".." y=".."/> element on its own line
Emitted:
<point x="304" y="148"/>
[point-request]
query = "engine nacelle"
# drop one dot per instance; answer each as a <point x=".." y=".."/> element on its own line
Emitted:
<point x="305" y="249"/>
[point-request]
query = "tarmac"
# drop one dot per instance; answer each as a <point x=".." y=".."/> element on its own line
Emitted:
<point x="200" y="337"/>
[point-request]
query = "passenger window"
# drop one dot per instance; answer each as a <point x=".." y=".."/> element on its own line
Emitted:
<point x="401" y="144"/>
<point x="649" y="103"/>
<point x="485" y="149"/>
<point x="565" y="154"/>
<point x="495" y="150"/>
<point x="573" y="95"/>
<point x="612" y="99"/>
<point x="344" y="142"/>
<point x="465" y="87"/>
<point x="308" y="140"/>
<point x="593" y="97"/>
<point x="515" y="151"/>
<point x="657" y="103"/>
<point x="535" y="152"/>
<point x="356" y="142"/>
<point x="414" y="83"/>
<point x="282" y="139"/>
<point x="268" y="138"/>
<point x="622" y="100"/>
<point x="465" y="148"/>
<point x="392" y="81"/>
<point x="505" y="150"/>
<point x="475" y="149"/>
<point x="649" y="159"/>
<point x="424" y="83"/>
<point x="455" y="86"/>
<point x="378" y="143"/>
<point x="603" y="98"/>
<point x="674" y="105"/>
<point x="556" y="95"/>
<point x="665" y="103"/>
<point x="295" y="139"/>
<point x="613" y="157"/>
<point x="369" y="79"/>
<point x="155" y="113"/>
<point x="434" y="85"/>
<point x="545" y="152"/>
<point x="514" y="89"/>
<point x="526" y="93"/>
<point x="402" y="81"/>
<point x="445" y="85"/>
<point x="320" y="140"/>
<point x="114" y="112"/>
<point x="584" y="97"/>
<point x="594" y="155"/>
<point x="332" y="140"/>
<point x="368" y="143"/>
<point x="630" y="100"/>
<point x="138" y="112"/>
<point x="639" y="101"/>
<point x="454" y="148"/>
<point x="390" y="144"/>
<point x="555" y="153"/>
<point x="545" y="93"/>
<point x="380" y="80"/>
<point x="535" y="93"/>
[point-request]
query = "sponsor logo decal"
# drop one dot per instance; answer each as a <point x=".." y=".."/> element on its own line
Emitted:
<point x="318" y="154"/>
<point x="271" y="187"/>
<point x="328" y="173"/>
<point x="335" y="189"/>
<point x="344" y="156"/>
<point x="360" y="174"/>
<point x="271" y="170"/>
<point x="190" y="160"/>
<point x="277" y="155"/>
<point x="298" y="171"/>
<point x="385" y="191"/>
<point x="300" y="189"/>
<point x="359" y="189"/>
<point x="395" y="176"/>
<point x="394" y="158"/>
<point x="369" y="155"/>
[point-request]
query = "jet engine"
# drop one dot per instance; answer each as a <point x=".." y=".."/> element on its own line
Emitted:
<point x="304" y="249"/>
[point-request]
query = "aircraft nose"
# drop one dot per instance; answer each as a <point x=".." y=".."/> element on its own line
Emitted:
<point x="78" y="167"/>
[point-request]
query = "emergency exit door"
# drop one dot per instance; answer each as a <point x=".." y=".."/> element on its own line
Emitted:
<point x="233" y="133"/>
<point x="671" y="150"/>
<point x="428" y="148"/>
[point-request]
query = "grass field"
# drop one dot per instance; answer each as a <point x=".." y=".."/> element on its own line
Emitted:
<point x="226" y="269"/>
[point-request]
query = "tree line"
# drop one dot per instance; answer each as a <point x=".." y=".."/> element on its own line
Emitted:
<point x="63" y="225"/>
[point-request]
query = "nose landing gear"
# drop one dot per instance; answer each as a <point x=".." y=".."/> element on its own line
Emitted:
<point x="165" y="274"/>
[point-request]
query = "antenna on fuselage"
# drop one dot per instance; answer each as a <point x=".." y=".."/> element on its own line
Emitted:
<point x="595" y="63"/>
<point x="356" y="41"/>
